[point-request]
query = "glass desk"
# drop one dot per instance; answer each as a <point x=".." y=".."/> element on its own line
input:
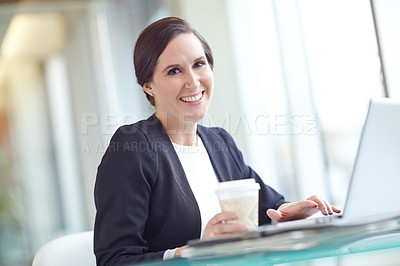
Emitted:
<point x="370" y="252"/>
<point x="379" y="249"/>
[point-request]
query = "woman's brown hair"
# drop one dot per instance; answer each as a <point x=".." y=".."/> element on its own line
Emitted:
<point x="152" y="42"/>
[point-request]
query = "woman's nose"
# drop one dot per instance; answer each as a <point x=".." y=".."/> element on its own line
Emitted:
<point x="191" y="80"/>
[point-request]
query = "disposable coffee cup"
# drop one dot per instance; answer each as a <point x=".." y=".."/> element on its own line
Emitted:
<point x="240" y="196"/>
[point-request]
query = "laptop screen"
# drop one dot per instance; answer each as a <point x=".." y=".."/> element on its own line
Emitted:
<point x="375" y="182"/>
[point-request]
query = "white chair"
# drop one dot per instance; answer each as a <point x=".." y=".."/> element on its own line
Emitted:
<point x="71" y="250"/>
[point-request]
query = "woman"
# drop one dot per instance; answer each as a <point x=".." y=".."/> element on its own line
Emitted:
<point x="155" y="184"/>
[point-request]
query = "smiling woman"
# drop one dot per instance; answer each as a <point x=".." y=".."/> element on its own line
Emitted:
<point x="148" y="51"/>
<point x="151" y="202"/>
<point x="182" y="86"/>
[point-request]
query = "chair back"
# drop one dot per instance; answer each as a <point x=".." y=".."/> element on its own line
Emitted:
<point x="75" y="249"/>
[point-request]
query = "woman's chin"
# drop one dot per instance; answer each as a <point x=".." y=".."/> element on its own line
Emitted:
<point x="195" y="117"/>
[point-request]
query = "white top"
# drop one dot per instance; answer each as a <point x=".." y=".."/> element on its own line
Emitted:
<point x="202" y="180"/>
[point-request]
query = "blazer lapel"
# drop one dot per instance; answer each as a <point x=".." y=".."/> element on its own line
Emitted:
<point x="214" y="149"/>
<point x="164" y="143"/>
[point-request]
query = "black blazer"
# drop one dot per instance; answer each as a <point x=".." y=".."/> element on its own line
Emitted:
<point x="144" y="202"/>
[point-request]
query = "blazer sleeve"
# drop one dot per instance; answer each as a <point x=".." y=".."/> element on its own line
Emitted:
<point x="269" y="197"/>
<point x="122" y="193"/>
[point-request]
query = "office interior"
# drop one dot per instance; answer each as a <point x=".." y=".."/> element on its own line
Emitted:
<point x="293" y="80"/>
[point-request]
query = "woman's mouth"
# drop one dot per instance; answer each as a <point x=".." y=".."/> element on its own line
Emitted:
<point x="192" y="99"/>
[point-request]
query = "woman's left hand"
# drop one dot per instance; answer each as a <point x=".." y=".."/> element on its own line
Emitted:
<point x="302" y="209"/>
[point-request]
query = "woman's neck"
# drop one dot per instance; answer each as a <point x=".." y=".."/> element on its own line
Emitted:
<point x="184" y="140"/>
<point x="180" y="132"/>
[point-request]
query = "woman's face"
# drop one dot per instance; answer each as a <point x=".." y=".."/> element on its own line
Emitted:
<point x="182" y="82"/>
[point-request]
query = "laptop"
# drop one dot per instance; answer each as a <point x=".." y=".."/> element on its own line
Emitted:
<point x="375" y="182"/>
<point x="374" y="192"/>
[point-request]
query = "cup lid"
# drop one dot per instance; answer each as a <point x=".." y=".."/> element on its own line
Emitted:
<point x="245" y="184"/>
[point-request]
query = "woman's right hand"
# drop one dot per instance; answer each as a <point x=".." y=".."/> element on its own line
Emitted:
<point x="218" y="225"/>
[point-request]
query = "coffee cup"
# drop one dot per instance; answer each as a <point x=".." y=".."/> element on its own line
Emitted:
<point x="240" y="196"/>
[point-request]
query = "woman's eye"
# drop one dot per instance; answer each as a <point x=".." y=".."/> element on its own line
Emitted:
<point x="199" y="64"/>
<point x="173" y="71"/>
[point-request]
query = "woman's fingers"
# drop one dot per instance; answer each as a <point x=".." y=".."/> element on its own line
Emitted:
<point x="178" y="251"/>
<point x="323" y="205"/>
<point x="275" y="215"/>
<point x="302" y="209"/>
<point x="219" y="225"/>
<point x="222" y="217"/>
<point x="229" y="228"/>
<point x="293" y="211"/>
<point x="329" y="207"/>
<point x="336" y="210"/>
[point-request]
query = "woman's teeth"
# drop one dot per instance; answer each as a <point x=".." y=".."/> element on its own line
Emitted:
<point x="192" y="99"/>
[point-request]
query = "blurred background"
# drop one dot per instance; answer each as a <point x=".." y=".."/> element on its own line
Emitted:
<point x="293" y="80"/>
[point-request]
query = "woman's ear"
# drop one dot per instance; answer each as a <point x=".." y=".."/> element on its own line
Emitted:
<point x="148" y="89"/>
